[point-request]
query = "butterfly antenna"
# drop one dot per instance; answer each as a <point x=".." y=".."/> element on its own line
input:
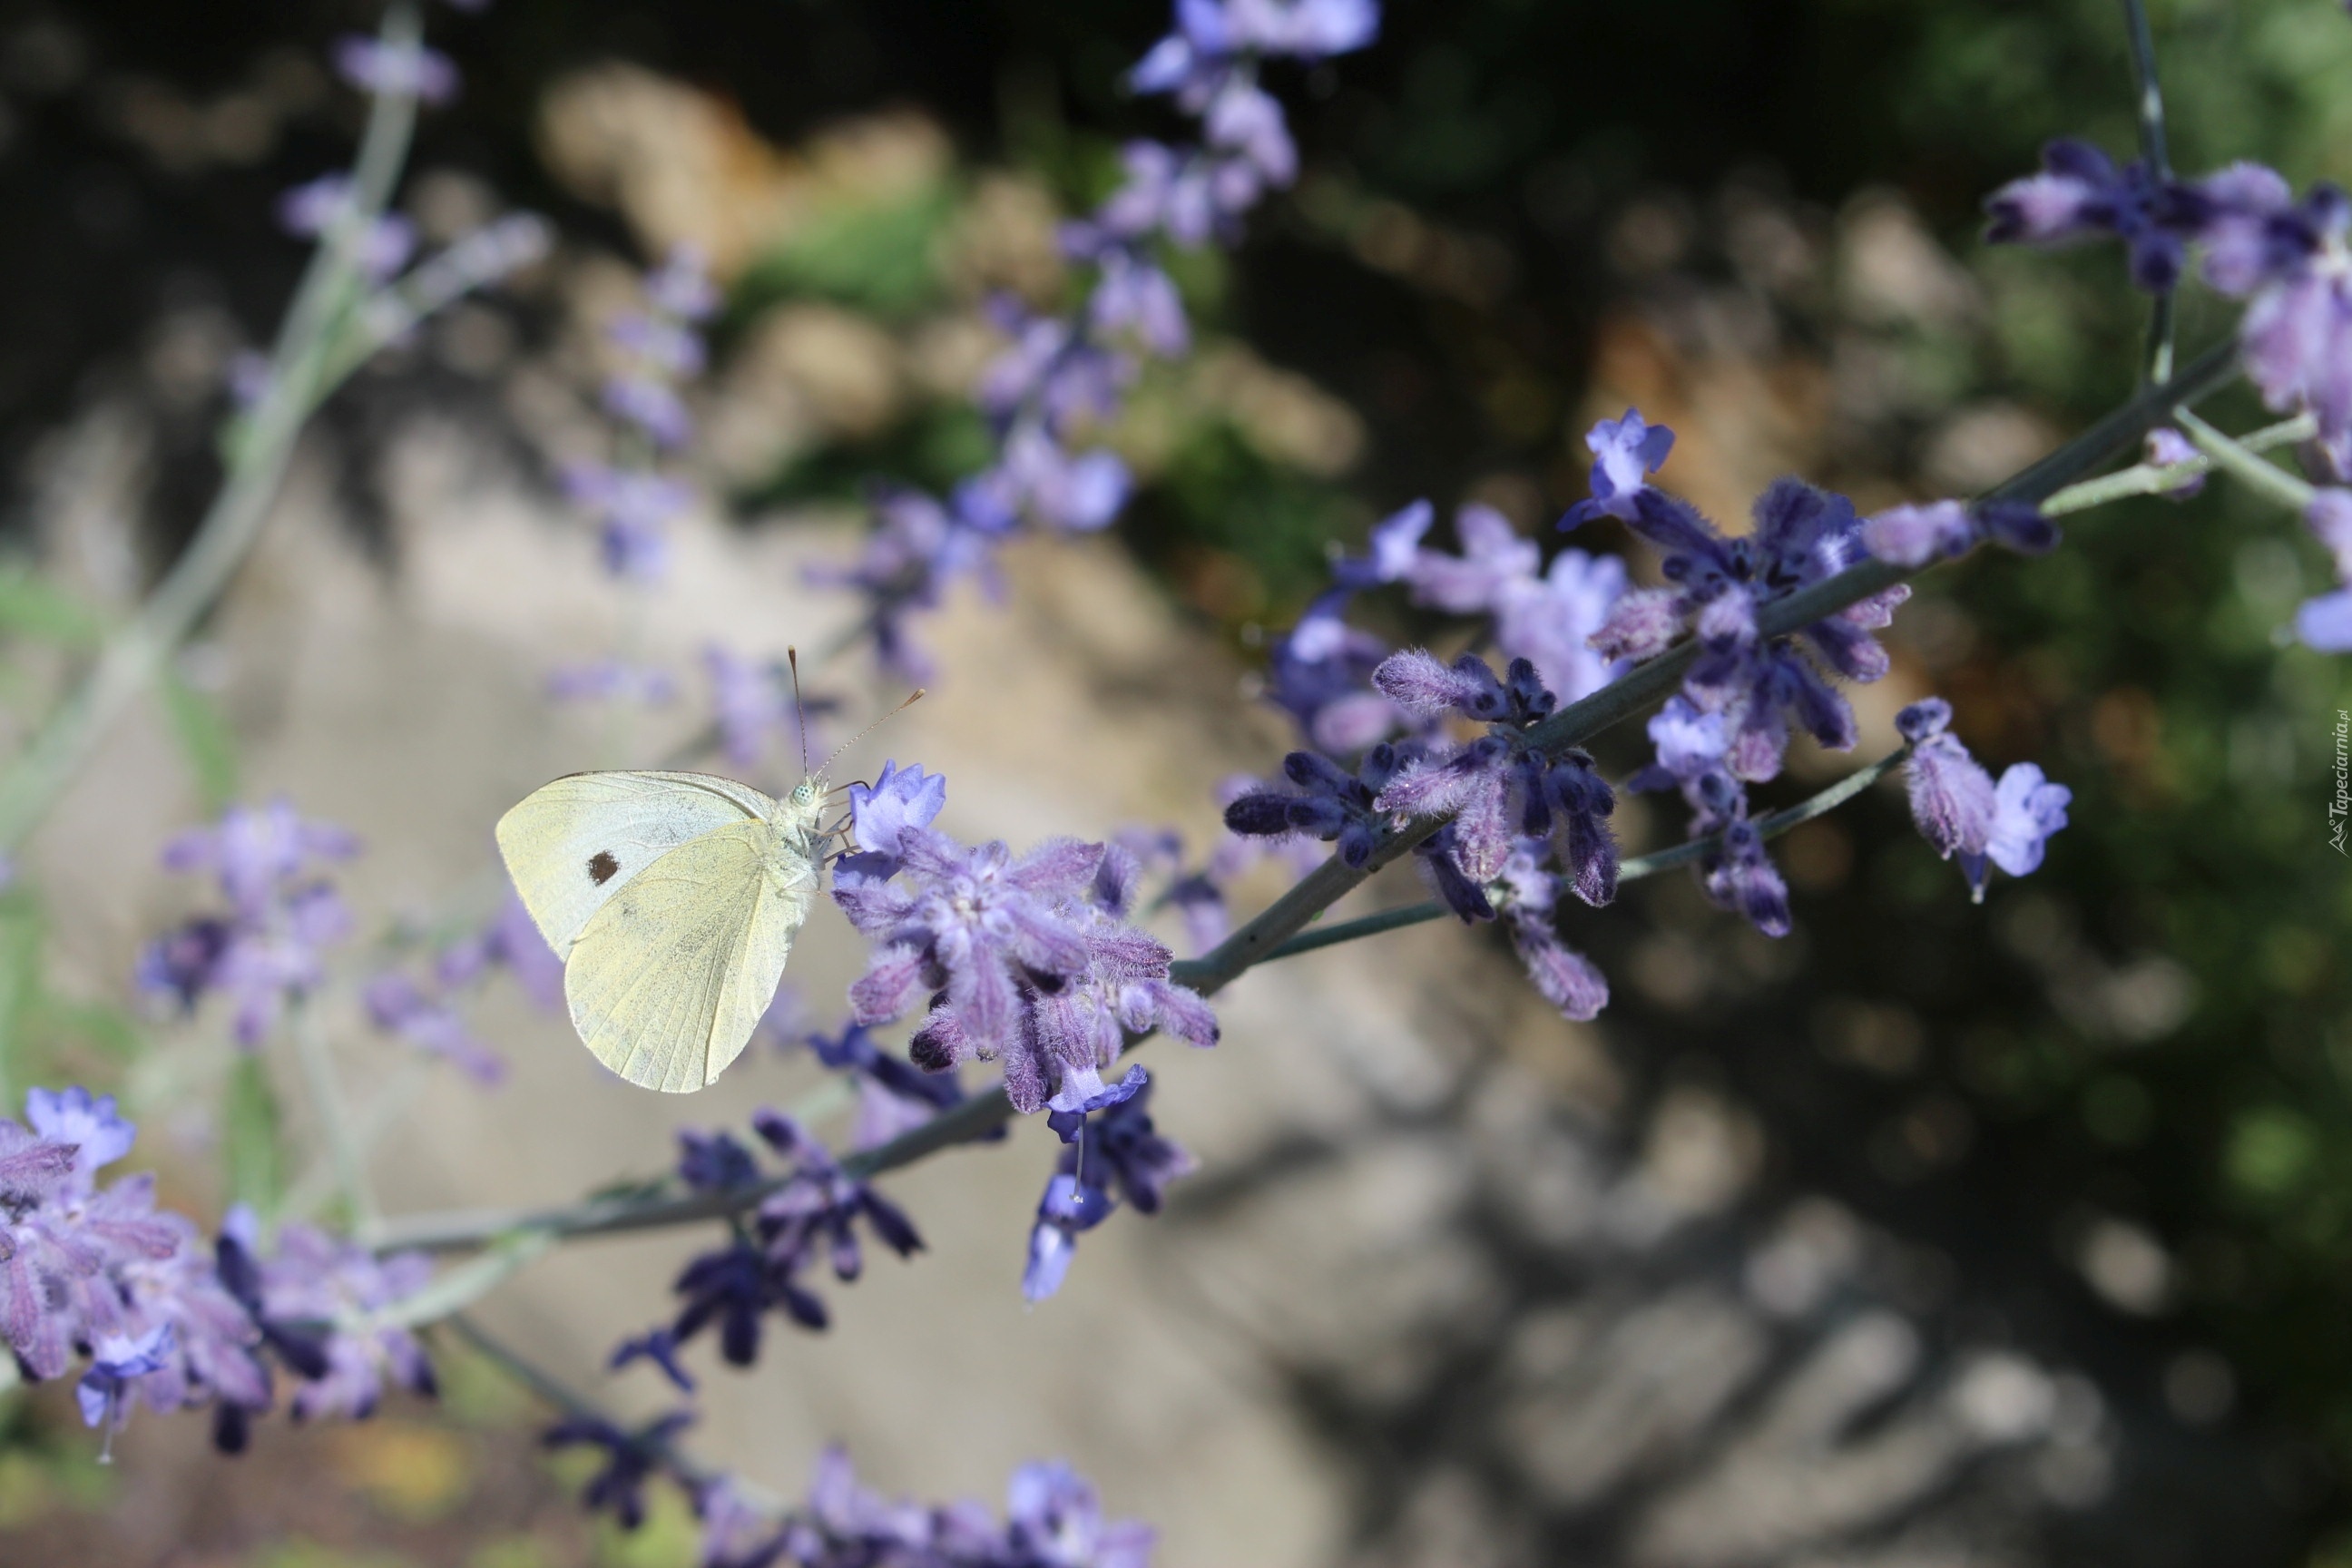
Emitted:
<point x="912" y="698"/>
<point x="800" y="709"/>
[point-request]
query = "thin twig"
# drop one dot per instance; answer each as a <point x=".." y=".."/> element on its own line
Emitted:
<point x="2162" y="479"/>
<point x="2150" y="106"/>
<point x="2271" y="481"/>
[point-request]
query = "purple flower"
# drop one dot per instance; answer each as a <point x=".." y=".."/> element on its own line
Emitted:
<point x="316" y="1278"/>
<point x="1069" y="493"/>
<point x="2326" y="622"/>
<point x="396" y="1005"/>
<point x="513" y="939"/>
<point x="633" y="511"/>
<point x="2296" y="334"/>
<point x="680" y="287"/>
<point x="408" y="71"/>
<point x="1951" y="796"/>
<point x="1498" y="788"/>
<point x="653" y="406"/>
<point x="736" y="1533"/>
<point x="901" y="800"/>
<point x="631" y="1459"/>
<point x="662" y="344"/>
<point x="1625" y="453"/>
<point x="752" y="704"/>
<point x="919" y="548"/>
<point x="1029" y="969"/>
<point x="1802" y="535"/>
<point x="103" y="1271"/>
<point x="1915" y="535"/>
<point x="1133" y="296"/>
<point x="2081" y="193"/>
<point x="314" y="209"/>
<point x="1068" y="1207"/>
<point x="714" y="1161"/>
<point x="894" y="1096"/>
<point x="812" y="1215"/>
<point x="1740" y="877"/>
<point x="1329" y="804"/>
<point x="114" y="1360"/>
<point x="99" y="1136"/>
<point x="657" y="1345"/>
<point x="1052" y="370"/>
<point x="1209" y="35"/>
<point x="1054" y="1520"/>
<point x="1396" y="548"/>
<point x="973" y="920"/>
<point x="815" y="1214"/>
<point x="1110" y="1147"/>
<point x="270" y="949"/>
<point x="258" y="851"/>
<point x="1962" y="812"/>
<point x="1528" y="904"/>
<point x="1320" y="673"/>
<point x="2026" y="809"/>
<point x="2167" y="447"/>
<point x="611" y="679"/>
<point x="1547" y="619"/>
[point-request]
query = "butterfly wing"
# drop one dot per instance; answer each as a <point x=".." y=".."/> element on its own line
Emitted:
<point x="670" y="976"/>
<point x="571" y="845"/>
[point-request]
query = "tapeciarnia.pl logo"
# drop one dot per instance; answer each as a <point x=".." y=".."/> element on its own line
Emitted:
<point x="2341" y="807"/>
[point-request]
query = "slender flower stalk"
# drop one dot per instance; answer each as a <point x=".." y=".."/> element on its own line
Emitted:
<point x="257" y="461"/>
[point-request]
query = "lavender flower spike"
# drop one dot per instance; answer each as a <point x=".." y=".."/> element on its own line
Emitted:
<point x="1625" y="452"/>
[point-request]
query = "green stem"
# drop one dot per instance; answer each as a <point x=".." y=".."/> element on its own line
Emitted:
<point x="334" y="1117"/>
<point x="2150" y="105"/>
<point x="2272" y="481"/>
<point x="258" y="457"/>
<point x="2162" y="478"/>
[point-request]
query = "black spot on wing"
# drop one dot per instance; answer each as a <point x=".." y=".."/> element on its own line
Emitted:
<point x="603" y="868"/>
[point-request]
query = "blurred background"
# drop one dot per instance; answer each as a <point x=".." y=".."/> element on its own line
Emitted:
<point x="1932" y="1234"/>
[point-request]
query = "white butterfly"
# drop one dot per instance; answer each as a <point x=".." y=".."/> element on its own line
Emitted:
<point x="673" y="899"/>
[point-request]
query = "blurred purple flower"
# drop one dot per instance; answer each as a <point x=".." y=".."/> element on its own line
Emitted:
<point x="1054" y="1520"/>
<point x="611" y="681"/>
<point x="631" y="1459"/>
<point x="409" y="70"/>
<point x="316" y="1278"/>
<point x="1320" y="673"/>
<point x="681" y="287"/>
<point x="2165" y="447"/>
<point x="653" y="406"/>
<point x="2080" y="194"/>
<point x="256" y="852"/>
<point x="396" y="1005"/>
<point x="511" y="938"/>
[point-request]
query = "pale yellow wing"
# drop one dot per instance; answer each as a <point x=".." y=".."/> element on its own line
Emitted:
<point x="672" y="974"/>
<point x="569" y="846"/>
